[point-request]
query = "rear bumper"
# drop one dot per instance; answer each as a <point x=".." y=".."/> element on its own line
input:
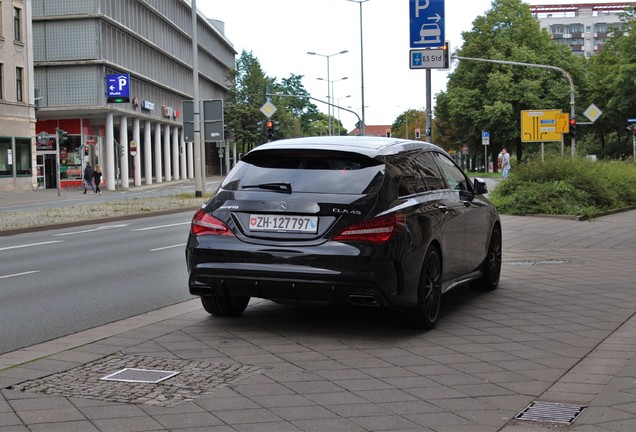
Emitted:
<point x="355" y="280"/>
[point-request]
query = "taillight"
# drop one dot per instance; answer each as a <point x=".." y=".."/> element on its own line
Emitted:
<point x="204" y="224"/>
<point x="379" y="230"/>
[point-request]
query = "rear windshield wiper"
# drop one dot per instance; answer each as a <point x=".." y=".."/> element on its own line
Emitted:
<point x="278" y="187"/>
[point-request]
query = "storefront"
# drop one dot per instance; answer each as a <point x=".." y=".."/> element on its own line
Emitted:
<point x="76" y="148"/>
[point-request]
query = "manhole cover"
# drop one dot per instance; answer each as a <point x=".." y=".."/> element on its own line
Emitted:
<point x="140" y="375"/>
<point x="550" y="412"/>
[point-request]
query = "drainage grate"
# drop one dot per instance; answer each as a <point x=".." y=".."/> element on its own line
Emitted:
<point x="550" y="412"/>
<point x="140" y="375"/>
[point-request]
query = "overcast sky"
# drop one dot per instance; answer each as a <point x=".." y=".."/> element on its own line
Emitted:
<point x="279" y="33"/>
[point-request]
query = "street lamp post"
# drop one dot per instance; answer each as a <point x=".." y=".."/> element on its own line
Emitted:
<point x="332" y="113"/>
<point x="327" y="56"/>
<point x="362" y="126"/>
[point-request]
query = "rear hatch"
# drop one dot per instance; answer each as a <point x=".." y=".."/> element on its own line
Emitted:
<point x="298" y="195"/>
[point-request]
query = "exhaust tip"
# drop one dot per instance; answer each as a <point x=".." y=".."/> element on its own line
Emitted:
<point x="364" y="300"/>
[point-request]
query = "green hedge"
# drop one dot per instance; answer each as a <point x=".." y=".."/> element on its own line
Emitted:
<point x="577" y="187"/>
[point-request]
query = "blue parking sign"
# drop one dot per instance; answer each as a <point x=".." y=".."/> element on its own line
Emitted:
<point x="118" y="86"/>
<point x="426" y="19"/>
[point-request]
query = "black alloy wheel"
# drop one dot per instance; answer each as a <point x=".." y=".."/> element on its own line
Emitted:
<point x="425" y="314"/>
<point x="224" y="306"/>
<point x="492" y="264"/>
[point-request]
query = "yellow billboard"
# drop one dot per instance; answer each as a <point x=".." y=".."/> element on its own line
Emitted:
<point x="540" y="126"/>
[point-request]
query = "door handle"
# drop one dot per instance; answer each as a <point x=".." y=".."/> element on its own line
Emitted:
<point x="442" y="208"/>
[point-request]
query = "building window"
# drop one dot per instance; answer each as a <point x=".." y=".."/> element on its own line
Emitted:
<point x="1" y="81"/>
<point x="1" y="32"/>
<point x="18" y="83"/>
<point x="17" y="24"/>
<point x="6" y="157"/>
<point x="22" y="156"/>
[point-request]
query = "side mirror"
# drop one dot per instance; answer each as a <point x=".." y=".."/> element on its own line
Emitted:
<point x="480" y="186"/>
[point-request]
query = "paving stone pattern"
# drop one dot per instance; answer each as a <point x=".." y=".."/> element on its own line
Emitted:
<point x="195" y="379"/>
<point x="560" y="328"/>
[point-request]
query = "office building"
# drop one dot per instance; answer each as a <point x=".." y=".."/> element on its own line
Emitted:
<point x="109" y="78"/>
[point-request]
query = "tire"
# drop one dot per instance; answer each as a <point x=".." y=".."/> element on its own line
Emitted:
<point x="424" y="316"/>
<point x="224" y="306"/>
<point x="491" y="267"/>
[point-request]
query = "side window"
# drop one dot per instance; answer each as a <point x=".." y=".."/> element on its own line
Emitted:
<point x="411" y="179"/>
<point x="430" y="172"/>
<point x="453" y="175"/>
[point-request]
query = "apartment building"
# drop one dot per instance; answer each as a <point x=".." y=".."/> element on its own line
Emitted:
<point x="17" y="114"/>
<point x="584" y="28"/>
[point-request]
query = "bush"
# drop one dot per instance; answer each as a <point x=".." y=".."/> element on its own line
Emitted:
<point x="578" y="187"/>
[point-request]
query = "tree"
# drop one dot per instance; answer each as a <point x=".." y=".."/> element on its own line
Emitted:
<point x="302" y="109"/>
<point x="243" y="102"/>
<point x="613" y="72"/>
<point x="486" y="96"/>
<point x="405" y="124"/>
<point x="294" y="116"/>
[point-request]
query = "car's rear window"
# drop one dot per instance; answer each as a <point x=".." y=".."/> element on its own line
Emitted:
<point x="308" y="171"/>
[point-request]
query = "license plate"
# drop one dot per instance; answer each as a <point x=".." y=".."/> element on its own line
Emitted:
<point x="281" y="223"/>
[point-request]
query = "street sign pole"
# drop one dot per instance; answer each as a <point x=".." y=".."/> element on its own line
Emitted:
<point x="426" y="25"/>
<point x="485" y="140"/>
<point x="58" y="135"/>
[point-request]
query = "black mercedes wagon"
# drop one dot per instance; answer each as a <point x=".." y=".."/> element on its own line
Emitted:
<point x="367" y="221"/>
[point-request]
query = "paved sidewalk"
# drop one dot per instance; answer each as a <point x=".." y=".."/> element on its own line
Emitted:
<point x="560" y="329"/>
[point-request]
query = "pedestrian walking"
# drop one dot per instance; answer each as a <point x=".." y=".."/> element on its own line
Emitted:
<point x="89" y="175"/>
<point x="505" y="162"/>
<point x="97" y="176"/>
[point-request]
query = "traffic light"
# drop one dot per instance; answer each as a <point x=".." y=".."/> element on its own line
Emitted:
<point x="446" y="49"/>
<point x="634" y="130"/>
<point x="573" y="128"/>
<point x="85" y="150"/>
<point x="388" y="133"/>
<point x="418" y="135"/>
<point x="62" y="134"/>
<point x="269" y="125"/>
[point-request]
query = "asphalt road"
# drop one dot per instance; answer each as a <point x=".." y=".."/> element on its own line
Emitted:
<point x="58" y="282"/>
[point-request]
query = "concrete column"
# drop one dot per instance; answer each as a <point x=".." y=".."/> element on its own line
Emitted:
<point x="137" y="157"/>
<point x="182" y="159"/>
<point x="158" y="168"/>
<point x="110" y="152"/>
<point x="167" y="156"/>
<point x="190" y="158"/>
<point x="148" y="152"/>
<point x="123" y="160"/>
<point x="175" y="153"/>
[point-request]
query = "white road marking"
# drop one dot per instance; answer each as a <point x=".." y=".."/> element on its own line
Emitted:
<point x="19" y="274"/>
<point x="31" y="244"/>
<point x="167" y="247"/>
<point x="101" y="228"/>
<point x="160" y="226"/>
